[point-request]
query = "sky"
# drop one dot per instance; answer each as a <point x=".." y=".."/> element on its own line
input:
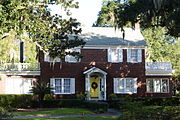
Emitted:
<point x="87" y="12"/>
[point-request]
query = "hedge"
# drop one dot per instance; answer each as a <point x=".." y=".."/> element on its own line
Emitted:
<point x="59" y="103"/>
<point x="96" y="106"/>
<point x="15" y="101"/>
<point x="170" y="101"/>
<point x="69" y="103"/>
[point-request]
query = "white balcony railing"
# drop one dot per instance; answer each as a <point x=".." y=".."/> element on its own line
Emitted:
<point x="19" y="67"/>
<point x="159" y="68"/>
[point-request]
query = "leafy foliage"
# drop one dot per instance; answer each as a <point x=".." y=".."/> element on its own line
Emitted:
<point x="15" y="101"/>
<point x="106" y="15"/>
<point x="150" y="13"/>
<point x="9" y="51"/>
<point x="41" y="89"/>
<point x="4" y="114"/>
<point x="160" y="46"/>
<point x="133" y="110"/>
<point x="31" y="20"/>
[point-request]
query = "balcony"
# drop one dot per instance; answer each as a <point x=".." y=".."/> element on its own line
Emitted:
<point x="20" y="69"/>
<point x="158" y="68"/>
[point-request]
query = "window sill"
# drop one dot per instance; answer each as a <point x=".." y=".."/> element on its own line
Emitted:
<point x="71" y="62"/>
<point x="115" y="61"/>
<point x="134" y="62"/>
<point x="64" y="93"/>
<point x="126" y="93"/>
<point x="157" y="92"/>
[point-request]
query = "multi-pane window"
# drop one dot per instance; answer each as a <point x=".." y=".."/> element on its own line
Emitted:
<point x="63" y="85"/>
<point x="125" y="85"/>
<point x="157" y="85"/>
<point x="47" y="58"/>
<point x="67" y="85"/>
<point x="115" y="55"/>
<point x="70" y="58"/>
<point x="58" y="85"/>
<point x="134" y="55"/>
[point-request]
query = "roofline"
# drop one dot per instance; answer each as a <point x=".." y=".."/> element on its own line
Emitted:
<point x="111" y="46"/>
<point x="91" y="70"/>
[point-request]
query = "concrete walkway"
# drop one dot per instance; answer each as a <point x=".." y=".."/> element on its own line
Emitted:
<point x="110" y="113"/>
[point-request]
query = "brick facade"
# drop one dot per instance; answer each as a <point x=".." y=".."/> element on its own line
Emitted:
<point x="96" y="58"/>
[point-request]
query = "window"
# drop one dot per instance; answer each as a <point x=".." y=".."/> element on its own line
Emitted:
<point x="115" y="55"/>
<point x="70" y="58"/>
<point x="47" y="58"/>
<point x="63" y="85"/>
<point x="156" y="85"/>
<point x="134" y="55"/>
<point x="125" y="85"/>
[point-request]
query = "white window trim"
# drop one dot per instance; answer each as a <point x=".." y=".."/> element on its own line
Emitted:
<point x="124" y="92"/>
<point x="47" y="58"/>
<point x="72" y="86"/>
<point x="139" y="57"/>
<point x="109" y="55"/>
<point x="160" y="85"/>
<point x="69" y="60"/>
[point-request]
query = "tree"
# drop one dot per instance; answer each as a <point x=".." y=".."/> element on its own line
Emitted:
<point x="150" y="13"/>
<point x="9" y="51"/>
<point x="160" y="46"/>
<point x="106" y="15"/>
<point x="41" y="89"/>
<point x="31" y="20"/>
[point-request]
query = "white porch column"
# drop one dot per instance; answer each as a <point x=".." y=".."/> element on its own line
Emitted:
<point x="105" y="87"/>
<point x="87" y="82"/>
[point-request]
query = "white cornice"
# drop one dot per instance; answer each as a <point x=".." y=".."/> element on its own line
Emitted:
<point x="106" y="47"/>
<point x="14" y="73"/>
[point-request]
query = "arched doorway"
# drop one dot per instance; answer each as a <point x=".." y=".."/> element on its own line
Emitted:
<point x="95" y="84"/>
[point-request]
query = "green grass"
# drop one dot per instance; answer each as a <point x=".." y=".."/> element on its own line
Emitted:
<point x="72" y="118"/>
<point x="59" y="111"/>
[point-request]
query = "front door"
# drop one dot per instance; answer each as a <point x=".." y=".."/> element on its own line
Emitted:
<point x="94" y="89"/>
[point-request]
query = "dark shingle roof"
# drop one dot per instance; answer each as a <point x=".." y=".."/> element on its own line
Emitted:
<point x="105" y="36"/>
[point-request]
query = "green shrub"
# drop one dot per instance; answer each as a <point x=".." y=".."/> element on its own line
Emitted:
<point x="69" y="103"/>
<point x="41" y="89"/>
<point x="98" y="107"/>
<point x="58" y="103"/>
<point x="112" y="97"/>
<point x="81" y="96"/>
<point x="15" y="101"/>
<point x="113" y="104"/>
<point x="4" y="114"/>
<point x="171" y="101"/>
<point x="48" y="97"/>
<point x="135" y="110"/>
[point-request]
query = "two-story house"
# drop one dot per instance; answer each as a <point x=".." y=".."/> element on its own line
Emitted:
<point x="110" y="65"/>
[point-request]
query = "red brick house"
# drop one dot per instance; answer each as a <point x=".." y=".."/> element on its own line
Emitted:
<point x="110" y="65"/>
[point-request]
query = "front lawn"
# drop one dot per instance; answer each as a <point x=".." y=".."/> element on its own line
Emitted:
<point x="72" y="118"/>
<point x="60" y="111"/>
